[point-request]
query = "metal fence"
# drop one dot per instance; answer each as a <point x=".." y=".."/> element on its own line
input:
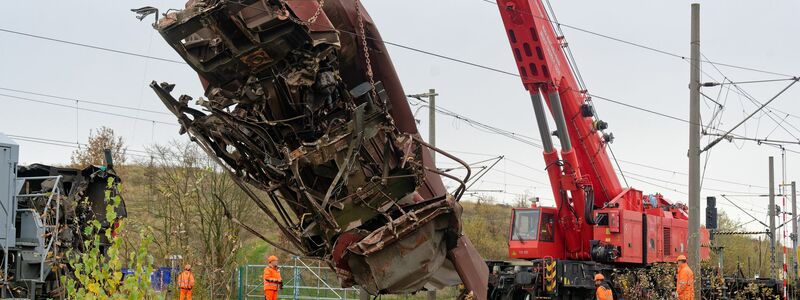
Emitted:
<point x="301" y="280"/>
<point x="310" y="279"/>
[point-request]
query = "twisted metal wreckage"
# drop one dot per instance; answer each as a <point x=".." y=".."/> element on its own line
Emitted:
<point x="50" y="216"/>
<point x="304" y="104"/>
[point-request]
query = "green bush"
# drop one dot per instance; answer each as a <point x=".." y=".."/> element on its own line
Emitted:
<point x="97" y="274"/>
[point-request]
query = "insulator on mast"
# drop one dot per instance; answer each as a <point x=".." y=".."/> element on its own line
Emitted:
<point x="587" y="110"/>
<point x="600" y="125"/>
<point x="608" y="137"/>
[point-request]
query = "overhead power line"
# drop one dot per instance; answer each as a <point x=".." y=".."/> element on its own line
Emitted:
<point x="74" y="145"/>
<point x="146" y="154"/>
<point x="726" y="82"/>
<point x="658" y="185"/>
<point x="745" y="211"/>
<point x="573" y="65"/>
<point x="748" y="117"/>
<point x="686" y="174"/>
<point x="739" y="90"/>
<point x="393" y="44"/>
<point x="706" y="127"/>
<point x="638" y="45"/>
<point x="516" y="162"/>
<point x="177" y="158"/>
<point x="15" y="136"/>
<point x="516" y="185"/>
<point x="680" y="192"/>
<point x="86" y="101"/>
<point x="491" y="129"/>
<point x="638" y="177"/>
<point x="747" y="82"/>
<point x="85" y="109"/>
<point x="640" y="108"/>
<point x="91" y="46"/>
<point x="410" y="48"/>
<point x="484" y="127"/>
<point x="424" y="52"/>
<point x="686" y="185"/>
<point x="45" y="141"/>
<point x="516" y="135"/>
<point x="754" y="139"/>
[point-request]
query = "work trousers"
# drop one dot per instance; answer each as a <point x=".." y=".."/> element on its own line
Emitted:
<point x="186" y="294"/>
<point x="271" y="294"/>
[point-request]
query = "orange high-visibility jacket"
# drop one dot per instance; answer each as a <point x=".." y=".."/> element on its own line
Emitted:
<point x="186" y="280"/>
<point x="604" y="293"/>
<point x="272" y="279"/>
<point x="685" y="284"/>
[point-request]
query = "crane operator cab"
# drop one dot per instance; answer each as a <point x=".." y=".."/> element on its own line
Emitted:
<point x="534" y="234"/>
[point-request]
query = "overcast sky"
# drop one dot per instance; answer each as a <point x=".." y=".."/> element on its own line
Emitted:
<point x="759" y="36"/>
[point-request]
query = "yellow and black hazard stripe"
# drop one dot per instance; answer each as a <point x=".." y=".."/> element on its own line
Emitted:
<point x="550" y="276"/>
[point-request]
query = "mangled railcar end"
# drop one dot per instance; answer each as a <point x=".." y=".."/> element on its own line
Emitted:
<point x="302" y="102"/>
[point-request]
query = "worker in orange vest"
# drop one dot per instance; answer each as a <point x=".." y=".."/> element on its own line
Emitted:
<point x="186" y="282"/>
<point x="685" y="284"/>
<point x="272" y="279"/>
<point x="603" y="291"/>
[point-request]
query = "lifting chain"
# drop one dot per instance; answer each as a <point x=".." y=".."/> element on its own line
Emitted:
<point x="299" y="21"/>
<point x="362" y="34"/>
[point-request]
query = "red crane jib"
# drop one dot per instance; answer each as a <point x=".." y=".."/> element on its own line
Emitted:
<point x="622" y="224"/>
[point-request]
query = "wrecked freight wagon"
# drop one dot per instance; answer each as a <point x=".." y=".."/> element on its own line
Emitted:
<point x="46" y="212"/>
<point x="303" y="103"/>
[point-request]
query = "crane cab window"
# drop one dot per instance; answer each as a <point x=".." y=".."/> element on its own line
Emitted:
<point x="526" y="225"/>
<point x="547" y="227"/>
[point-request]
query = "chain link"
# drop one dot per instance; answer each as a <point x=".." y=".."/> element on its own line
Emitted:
<point x="302" y="22"/>
<point x="362" y="34"/>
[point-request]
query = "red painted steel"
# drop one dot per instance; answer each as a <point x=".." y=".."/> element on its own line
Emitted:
<point x="643" y="228"/>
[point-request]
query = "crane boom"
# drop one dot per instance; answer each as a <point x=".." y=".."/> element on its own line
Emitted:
<point x="597" y="226"/>
<point x="597" y="219"/>
<point x="543" y="66"/>
<point x="584" y="169"/>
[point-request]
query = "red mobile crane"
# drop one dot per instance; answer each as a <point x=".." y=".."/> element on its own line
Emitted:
<point x="597" y="224"/>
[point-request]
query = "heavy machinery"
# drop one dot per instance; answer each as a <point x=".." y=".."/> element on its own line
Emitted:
<point x="303" y="103"/>
<point x="44" y="212"/>
<point x="597" y="226"/>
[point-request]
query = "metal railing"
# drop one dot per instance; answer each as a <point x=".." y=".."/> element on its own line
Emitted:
<point x="301" y="280"/>
<point x="49" y="217"/>
<point x="310" y="279"/>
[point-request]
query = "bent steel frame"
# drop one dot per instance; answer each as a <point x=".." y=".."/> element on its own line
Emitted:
<point x="302" y="103"/>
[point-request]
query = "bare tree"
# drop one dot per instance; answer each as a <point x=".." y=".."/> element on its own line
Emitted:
<point x="525" y="200"/>
<point x="190" y="218"/>
<point x="521" y="200"/>
<point x="484" y="199"/>
<point x="93" y="152"/>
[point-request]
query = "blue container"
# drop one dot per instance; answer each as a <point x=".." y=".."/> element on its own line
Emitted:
<point x="126" y="272"/>
<point x="161" y="278"/>
<point x="166" y="274"/>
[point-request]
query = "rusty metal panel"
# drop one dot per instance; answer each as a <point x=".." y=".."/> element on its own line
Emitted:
<point x="470" y="266"/>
